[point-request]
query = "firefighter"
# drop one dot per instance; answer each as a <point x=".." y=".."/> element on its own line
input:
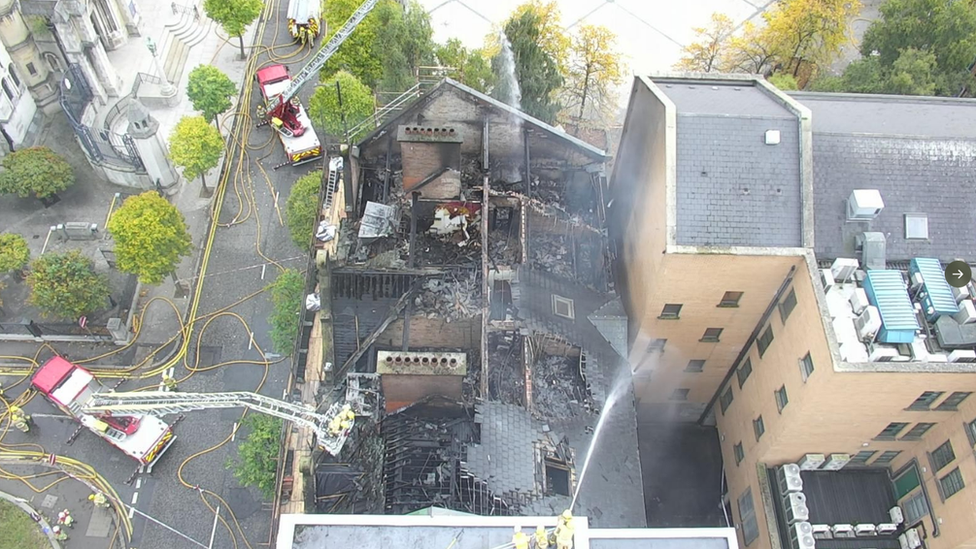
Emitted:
<point x="169" y="382"/>
<point x="20" y="419"/>
<point x="519" y="539"/>
<point x="98" y="499"/>
<point x="59" y="534"/>
<point x="564" y="531"/>
<point x="65" y="519"/>
<point x="541" y="538"/>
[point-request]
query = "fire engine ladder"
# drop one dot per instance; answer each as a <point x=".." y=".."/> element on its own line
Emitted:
<point x="335" y="174"/>
<point x="311" y="70"/>
<point x="161" y="403"/>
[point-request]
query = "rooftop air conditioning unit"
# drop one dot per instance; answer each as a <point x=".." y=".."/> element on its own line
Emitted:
<point x="883" y="354"/>
<point x="809" y="462"/>
<point x="842" y="531"/>
<point x="836" y="462"/>
<point x="868" y="323"/>
<point x="843" y="268"/>
<point x="822" y="531"/>
<point x="865" y="530"/>
<point x="788" y="479"/>
<point x="962" y="355"/>
<point x="827" y="278"/>
<point x="801" y="536"/>
<point x="864" y="205"/>
<point x="961" y="293"/>
<point x="887" y="529"/>
<point x="859" y="301"/>
<point x="896" y="515"/>
<point x="914" y="539"/>
<point x="796" y="508"/>
<point x="967" y="312"/>
<point x="873" y="247"/>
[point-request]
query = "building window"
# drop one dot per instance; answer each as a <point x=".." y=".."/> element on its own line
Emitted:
<point x="891" y="431"/>
<point x="862" y="457"/>
<point x="563" y="306"/>
<point x="916" y="432"/>
<point x="951" y="483"/>
<point x="711" y="335"/>
<point x="886" y="457"/>
<point x="13" y="75"/>
<point x="971" y="432"/>
<point x="952" y="402"/>
<point x="926" y="400"/>
<point x="743" y="372"/>
<point x="915" y="508"/>
<point x="764" y="340"/>
<point x="806" y="367"/>
<point x="730" y="299"/>
<point x="747" y="518"/>
<point x="759" y="427"/>
<point x="726" y="399"/>
<point x="52" y="61"/>
<point x="670" y="311"/>
<point x="7" y="89"/>
<point x="942" y="456"/>
<point x="740" y="454"/>
<point x="656" y="345"/>
<point x="31" y="70"/>
<point x="781" y="398"/>
<point x="695" y="366"/>
<point x="680" y="394"/>
<point x="787" y="306"/>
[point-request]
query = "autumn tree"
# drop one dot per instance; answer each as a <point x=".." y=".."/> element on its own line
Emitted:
<point x="594" y="70"/>
<point x="287" y="293"/>
<point x="65" y="285"/>
<point x="234" y="16"/>
<point x="536" y="72"/>
<point x="36" y="171"/>
<point x="14" y="253"/>
<point x="552" y="37"/>
<point x="784" y="81"/>
<point x="151" y="237"/>
<point x="302" y="208"/>
<point x="257" y="463"/>
<point x="473" y="69"/>
<point x="210" y="91"/>
<point x="195" y="146"/>
<point x="357" y="103"/>
<point x="749" y="51"/>
<point x="706" y="53"/>
<point x="807" y="33"/>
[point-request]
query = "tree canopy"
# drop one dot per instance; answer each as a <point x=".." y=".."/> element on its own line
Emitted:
<point x="65" y="285"/>
<point x="552" y="38"/>
<point x="301" y="211"/>
<point x="705" y="54"/>
<point x="14" y="253"/>
<point x="210" y="91"/>
<point x="258" y="453"/>
<point x="357" y="103"/>
<point x="287" y="293"/>
<point x="473" y="68"/>
<point x="36" y="171"/>
<point x="151" y="237"/>
<point x="234" y="15"/>
<point x="805" y="34"/>
<point x="594" y="71"/>
<point x="195" y="146"/>
<point x="537" y="72"/>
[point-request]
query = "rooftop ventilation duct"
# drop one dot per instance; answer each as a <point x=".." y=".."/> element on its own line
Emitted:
<point x="864" y="205"/>
<point x="872" y="246"/>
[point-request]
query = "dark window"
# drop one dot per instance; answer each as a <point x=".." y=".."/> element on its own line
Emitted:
<point x="557" y="477"/>
<point x="747" y="517"/>
<point x="915" y="507"/>
<point x="680" y="394"/>
<point x="951" y="483"/>
<point x="942" y="456"/>
<point x="711" y="335"/>
<point x="726" y="399"/>
<point x="695" y="366"/>
<point x="781" y="398"/>
<point x="892" y="430"/>
<point x="740" y="454"/>
<point x="743" y="372"/>
<point x="925" y="401"/>
<point x="862" y="457"/>
<point x="7" y="90"/>
<point x="671" y="310"/>
<point x="916" y="432"/>
<point x="952" y="402"/>
<point x="31" y="69"/>
<point x="764" y="340"/>
<point x="759" y="427"/>
<point x="971" y="432"/>
<point x="14" y="77"/>
<point x="730" y="299"/>
<point x="787" y="306"/>
<point x="806" y="367"/>
<point x="656" y="345"/>
<point x="886" y="457"/>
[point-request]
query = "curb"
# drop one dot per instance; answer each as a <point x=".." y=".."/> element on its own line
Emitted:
<point x="25" y="507"/>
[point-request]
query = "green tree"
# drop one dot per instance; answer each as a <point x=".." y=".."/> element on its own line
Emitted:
<point x="14" y="253"/>
<point x="286" y="298"/>
<point x="301" y="211"/>
<point x="210" y="91"/>
<point x="705" y="54"/>
<point x="150" y="235"/>
<point x="37" y="171"/>
<point x="552" y="37"/>
<point x="783" y="81"/>
<point x="258" y="453"/>
<point x="536" y="72"/>
<point x="65" y="285"/>
<point x="195" y="146"/>
<point x="808" y="33"/>
<point x="357" y="103"/>
<point x="594" y="72"/>
<point x="914" y="72"/>
<point x="234" y="16"/>
<point x="473" y="69"/>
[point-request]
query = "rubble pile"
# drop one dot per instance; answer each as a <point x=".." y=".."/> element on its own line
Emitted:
<point x="502" y="249"/>
<point x="558" y="391"/>
<point x="440" y="251"/>
<point x="506" y="377"/>
<point x="455" y="298"/>
<point x="552" y="253"/>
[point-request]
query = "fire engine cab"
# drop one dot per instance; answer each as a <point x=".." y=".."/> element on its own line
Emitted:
<point x="290" y="122"/>
<point x="69" y="387"/>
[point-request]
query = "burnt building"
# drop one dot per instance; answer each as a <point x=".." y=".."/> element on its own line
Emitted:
<point x="472" y="279"/>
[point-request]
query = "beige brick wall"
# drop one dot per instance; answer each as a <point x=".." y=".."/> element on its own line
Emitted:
<point x="434" y="333"/>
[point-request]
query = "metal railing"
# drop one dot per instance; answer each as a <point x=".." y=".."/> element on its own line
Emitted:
<point x="385" y="112"/>
<point x="141" y="78"/>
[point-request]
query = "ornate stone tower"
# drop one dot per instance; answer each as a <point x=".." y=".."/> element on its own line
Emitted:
<point x="143" y="129"/>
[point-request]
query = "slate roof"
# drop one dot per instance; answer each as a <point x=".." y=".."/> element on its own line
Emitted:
<point x="721" y="97"/>
<point x="919" y="153"/>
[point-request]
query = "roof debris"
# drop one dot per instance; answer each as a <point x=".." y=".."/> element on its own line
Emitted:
<point x="457" y="297"/>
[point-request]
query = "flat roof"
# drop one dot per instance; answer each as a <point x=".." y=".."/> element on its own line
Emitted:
<point x="891" y="115"/>
<point x="722" y="97"/>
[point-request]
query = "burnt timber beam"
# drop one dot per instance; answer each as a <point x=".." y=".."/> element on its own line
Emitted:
<point x="371" y="339"/>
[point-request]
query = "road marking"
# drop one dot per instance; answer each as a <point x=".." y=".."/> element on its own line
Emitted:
<point x="250" y="344"/>
<point x="263" y="268"/>
<point x="233" y="433"/>
<point x="131" y="511"/>
<point x="149" y="469"/>
<point x="142" y="469"/>
<point x="135" y="497"/>
<point x="138" y="483"/>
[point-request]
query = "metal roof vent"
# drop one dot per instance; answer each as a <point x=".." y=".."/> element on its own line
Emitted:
<point x="916" y="226"/>
<point x="873" y="250"/>
<point x="772" y="137"/>
<point x="864" y="205"/>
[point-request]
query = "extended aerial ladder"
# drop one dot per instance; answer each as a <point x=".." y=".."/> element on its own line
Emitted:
<point x="331" y="429"/>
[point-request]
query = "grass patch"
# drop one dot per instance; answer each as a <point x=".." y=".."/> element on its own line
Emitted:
<point x="19" y="530"/>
